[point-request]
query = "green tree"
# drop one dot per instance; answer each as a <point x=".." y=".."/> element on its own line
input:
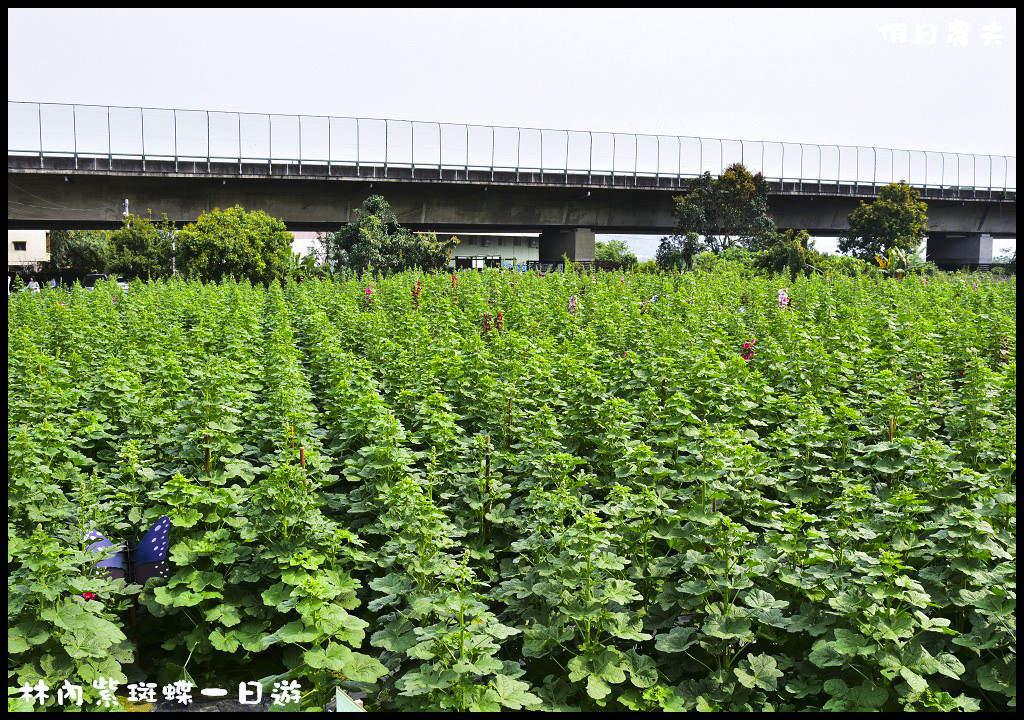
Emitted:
<point x="87" y="251"/>
<point x="678" y="251"/>
<point x="729" y="210"/>
<point x="615" y="250"/>
<point x="375" y="242"/>
<point x="897" y="220"/>
<point x="142" y="248"/>
<point x="235" y="243"/>
<point x="789" y="251"/>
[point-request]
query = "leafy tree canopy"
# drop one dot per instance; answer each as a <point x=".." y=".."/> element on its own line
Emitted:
<point x="375" y="242"/>
<point x="235" y="243"/>
<point x="614" y="250"/>
<point x="678" y="251"/>
<point x="142" y="248"/>
<point x="789" y="251"/>
<point x="897" y="220"/>
<point x="729" y="210"/>
<point x="88" y="251"/>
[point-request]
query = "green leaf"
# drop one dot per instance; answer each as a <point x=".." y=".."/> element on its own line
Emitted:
<point x="298" y="632"/>
<point x="866" y="697"/>
<point x="25" y="634"/>
<point x="606" y="665"/>
<point x="225" y="642"/>
<point x="513" y="694"/>
<point x="336" y="621"/>
<point x="277" y="594"/>
<point x="758" y="671"/>
<point x="761" y="600"/>
<point x="643" y="672"/>
<point x="851" y="644"/>
<point x="677" y="639"/>
<point x="597" y="688"/>
<point x="224" y="613"/>
<point x="397" y="636"/>
<point x="728" y="628"/>
<point x="333" y="657"/>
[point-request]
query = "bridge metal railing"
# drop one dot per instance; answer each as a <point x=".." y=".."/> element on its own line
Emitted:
<point x="212" y="141"/>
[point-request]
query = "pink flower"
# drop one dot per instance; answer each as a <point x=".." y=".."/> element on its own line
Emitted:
<point x="924" y="280"/>
<point x="89" y="595"/>
<point x="748" y="350"/>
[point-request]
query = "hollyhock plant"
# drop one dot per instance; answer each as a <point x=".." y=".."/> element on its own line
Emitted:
<point x="784" y="298"/>
<point x="572" y="304"/>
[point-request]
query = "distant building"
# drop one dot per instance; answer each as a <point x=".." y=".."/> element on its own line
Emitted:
<point x="475" y="251"/>
<point x="27" y="250"/>
<point x="304" y="242"/>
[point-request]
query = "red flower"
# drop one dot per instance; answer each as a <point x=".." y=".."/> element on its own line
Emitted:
<point x="89" y="595"/>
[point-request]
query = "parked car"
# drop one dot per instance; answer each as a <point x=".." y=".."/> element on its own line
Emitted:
<point x="89" y="281"/>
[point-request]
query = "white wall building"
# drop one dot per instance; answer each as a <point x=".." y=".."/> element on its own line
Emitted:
<point x="27" y="247"/>
<point x="510" y="249"/>
<point x="507" y="249"/>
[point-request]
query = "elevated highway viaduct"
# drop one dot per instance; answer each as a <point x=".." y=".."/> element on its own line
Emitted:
<point x="45" y="192"/>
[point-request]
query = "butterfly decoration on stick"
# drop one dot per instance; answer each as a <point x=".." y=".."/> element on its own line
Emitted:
<point x="137" y="563"/>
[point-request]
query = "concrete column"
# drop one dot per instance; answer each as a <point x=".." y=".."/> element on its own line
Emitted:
<point x="951" y="251"/>
<point x="578" y="244"/>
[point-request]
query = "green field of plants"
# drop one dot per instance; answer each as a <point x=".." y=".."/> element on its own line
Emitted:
<point x="494" y="490"/>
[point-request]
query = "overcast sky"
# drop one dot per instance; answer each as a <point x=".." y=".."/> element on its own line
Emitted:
<point x="931" y="79"/>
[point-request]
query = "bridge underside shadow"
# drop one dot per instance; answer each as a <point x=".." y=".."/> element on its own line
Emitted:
<point x="566" y="216"/>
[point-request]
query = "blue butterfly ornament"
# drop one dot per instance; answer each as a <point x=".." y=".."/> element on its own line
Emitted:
<point x="137" y="563"/>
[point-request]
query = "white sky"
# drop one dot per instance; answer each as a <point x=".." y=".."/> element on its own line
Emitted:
<point x="813" y="76"/>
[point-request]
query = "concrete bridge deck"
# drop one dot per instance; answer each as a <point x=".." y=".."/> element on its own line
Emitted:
<point x="322" y="197"/>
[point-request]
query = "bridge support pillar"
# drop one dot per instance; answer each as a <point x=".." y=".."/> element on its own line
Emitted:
<point x="578" y="244"/>
<point x="952" y="251"/>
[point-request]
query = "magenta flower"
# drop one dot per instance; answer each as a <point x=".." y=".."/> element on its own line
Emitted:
<point x="89" y="595"/>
